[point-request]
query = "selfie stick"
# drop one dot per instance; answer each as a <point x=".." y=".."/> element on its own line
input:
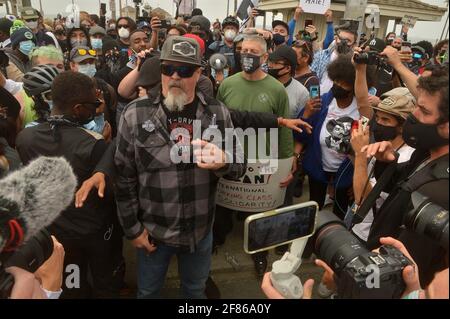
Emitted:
<point x="282" y="275"/>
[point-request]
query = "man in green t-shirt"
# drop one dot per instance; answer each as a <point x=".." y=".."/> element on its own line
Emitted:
<point x="255" y="91"/>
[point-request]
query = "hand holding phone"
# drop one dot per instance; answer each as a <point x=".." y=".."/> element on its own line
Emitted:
<point x="314" y="92"/>
<point x="308" y="22"/>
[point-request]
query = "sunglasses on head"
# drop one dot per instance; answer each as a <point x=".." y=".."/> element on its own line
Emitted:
<point x="302" y="44"/>
<point x="84" y="52"/>
<point x="183" y="71"/>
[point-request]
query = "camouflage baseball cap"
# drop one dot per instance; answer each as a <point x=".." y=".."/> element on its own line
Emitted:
<point x="181" y="49"/>
<point x="398" y="105"/>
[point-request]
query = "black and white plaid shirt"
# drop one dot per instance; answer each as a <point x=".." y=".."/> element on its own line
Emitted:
<point x="175" y="203"/>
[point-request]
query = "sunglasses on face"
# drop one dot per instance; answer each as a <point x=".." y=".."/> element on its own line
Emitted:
<point x="96" y="104"/>
<point x="123" y="26"/>
<point x="183" y="71"/>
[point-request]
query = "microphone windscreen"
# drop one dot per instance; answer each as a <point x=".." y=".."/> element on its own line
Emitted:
<point x="39" y="192"/>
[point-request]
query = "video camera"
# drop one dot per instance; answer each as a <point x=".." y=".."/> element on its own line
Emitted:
<point x="372" y="57"/>
<point x="356" y="267"/>
<point x="30" y="256"/>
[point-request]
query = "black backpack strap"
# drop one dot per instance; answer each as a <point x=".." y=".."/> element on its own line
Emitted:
<point x="374" y="194"/>
<point x="433" y="171"/>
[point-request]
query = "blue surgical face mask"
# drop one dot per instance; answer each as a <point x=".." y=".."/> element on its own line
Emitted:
<point x="26" y="47"/>
<point x="97" y="124"/>
<point x="97" y="44"/>
<point x="87" y="69"/>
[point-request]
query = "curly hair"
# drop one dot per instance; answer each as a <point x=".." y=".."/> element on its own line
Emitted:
<point x="438" y="47"/>
<point x="427" y="46"/>
<point x="342" y="69"/>
<point x="437" y="84"/>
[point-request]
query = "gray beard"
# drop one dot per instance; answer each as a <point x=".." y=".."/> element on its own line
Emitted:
<point x="175" y="102"/>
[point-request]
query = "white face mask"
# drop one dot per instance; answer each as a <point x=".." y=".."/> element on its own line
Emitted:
<point x="230" y="35"/>
<point x="32" y="24"/>
<point x="124" y="33"/>
<point x="87" y="69"/>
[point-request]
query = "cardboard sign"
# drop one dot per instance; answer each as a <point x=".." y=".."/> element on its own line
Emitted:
<point x="258" y="190"/>
<point x="409" y="21"/>
<point x="315" y="6"/>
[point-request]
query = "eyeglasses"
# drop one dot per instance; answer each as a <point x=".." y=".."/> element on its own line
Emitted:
<point x="84" y="52"/>
<point x="183" y="71"/>
<point x="126" y="26"/>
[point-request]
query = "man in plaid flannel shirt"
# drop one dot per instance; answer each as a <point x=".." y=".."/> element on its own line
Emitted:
<point x="166" y="208"/>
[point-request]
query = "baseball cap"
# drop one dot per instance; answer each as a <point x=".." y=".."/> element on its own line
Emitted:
<point x="285" y="53"/>
<point x="398" y="105"/>
<point x="181" y="49"/>
<point x="97" y="30"/>
<point x="20" y="35"/>
<point x="202" y="22"/>
<point x="29" y="13"/>
<point x="280" y="22"/>
<point x="147" y="74"/>
<point x="199" y="40"/>
<point x="377" y="45"/>
<point x="82" y="53"/>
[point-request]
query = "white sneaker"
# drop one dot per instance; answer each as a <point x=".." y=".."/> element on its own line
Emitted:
<point x="328" y="201"/>
<point x="323" y="291"/>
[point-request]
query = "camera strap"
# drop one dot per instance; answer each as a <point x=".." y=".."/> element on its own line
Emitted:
<point x="380" y="185"/>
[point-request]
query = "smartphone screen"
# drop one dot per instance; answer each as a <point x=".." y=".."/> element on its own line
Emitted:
<point x="314" y="91"/>
<point x="270" y="231"/>
<point x="308" y="22"/>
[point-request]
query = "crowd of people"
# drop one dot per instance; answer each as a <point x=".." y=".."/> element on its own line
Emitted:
<point x="115" y="96"/>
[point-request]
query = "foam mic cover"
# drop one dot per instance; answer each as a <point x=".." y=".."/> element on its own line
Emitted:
<point x="32" y="197"/>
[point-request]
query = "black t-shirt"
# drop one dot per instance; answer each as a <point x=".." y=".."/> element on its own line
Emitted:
<point x="308" y="80"/>
<point x="182" y="125"/>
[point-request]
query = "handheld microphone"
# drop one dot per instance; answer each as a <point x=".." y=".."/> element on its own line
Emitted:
<point x="32" y="197"/>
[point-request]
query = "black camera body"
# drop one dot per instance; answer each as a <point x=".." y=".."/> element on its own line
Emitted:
<point x="358" y="276"/>
<point x="30" y="256"/>
<point x="359" y="273"/>
<point x="369" y="58"/>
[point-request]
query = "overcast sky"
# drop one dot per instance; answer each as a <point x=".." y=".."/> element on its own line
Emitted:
<point x="218" y="9"/>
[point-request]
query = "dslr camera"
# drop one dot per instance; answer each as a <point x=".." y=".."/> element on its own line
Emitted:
<point x="359" y="273"/>
<point x="428" y="219"/>
<point x="30" y="256"/>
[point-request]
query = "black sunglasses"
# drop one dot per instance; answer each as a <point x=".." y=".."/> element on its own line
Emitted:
<point x="126" y="26"/>
<point x="97" y="103"/>
<point x="183" y="71"/>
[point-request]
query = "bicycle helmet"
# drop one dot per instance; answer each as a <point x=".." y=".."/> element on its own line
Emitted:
<point x="39" y="79"/>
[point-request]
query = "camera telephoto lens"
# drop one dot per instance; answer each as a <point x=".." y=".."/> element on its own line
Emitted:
<point x="428" y="219"/>
<point x="334" y="243"/>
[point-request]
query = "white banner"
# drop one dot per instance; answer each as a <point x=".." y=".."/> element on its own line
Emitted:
<point x="409" y="21"/>
<point x="315" y="6"/>
<point x="258" y="190"/>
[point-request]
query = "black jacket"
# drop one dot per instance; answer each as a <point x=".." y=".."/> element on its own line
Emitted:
<point x="83" y="149"/>
<point x="389" y="219"/>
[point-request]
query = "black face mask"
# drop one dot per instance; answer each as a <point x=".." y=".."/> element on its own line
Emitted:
<point x="339" y="92"/>
<point x="383" y="133"/>
<point x="422" y="136"/>
<point x="250" y="63"/>
<point x="276" y="73"/>
<point x="342" y="47"/>
<point x="278" y="39"/>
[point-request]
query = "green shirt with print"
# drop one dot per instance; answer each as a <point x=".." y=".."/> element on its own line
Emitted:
<point x="267" y="95"/>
